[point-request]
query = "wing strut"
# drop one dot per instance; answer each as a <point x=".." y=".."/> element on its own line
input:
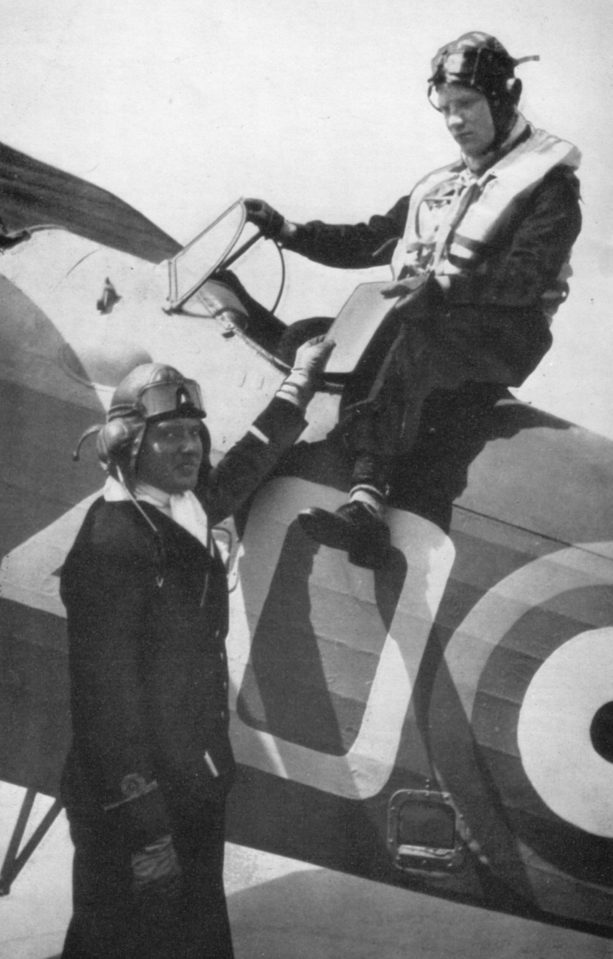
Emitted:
<point x="15" y="859"/>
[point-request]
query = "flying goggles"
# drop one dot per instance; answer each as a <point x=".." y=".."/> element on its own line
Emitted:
<point x="161" y="400"/>
<point x="149" y="393"/>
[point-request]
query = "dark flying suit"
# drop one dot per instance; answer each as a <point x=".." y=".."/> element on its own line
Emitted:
<point x="150" y="753"/>
<point x="490" y="325"/>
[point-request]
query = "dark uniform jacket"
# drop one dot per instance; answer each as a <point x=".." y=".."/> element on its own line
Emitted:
<point x="147" y="619"/>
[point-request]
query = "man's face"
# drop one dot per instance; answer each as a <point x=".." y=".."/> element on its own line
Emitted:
<point x="171" y="455"/>
<point x="467" y="117"/>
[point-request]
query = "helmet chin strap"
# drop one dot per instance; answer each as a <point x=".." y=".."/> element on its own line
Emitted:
<point x="478" y="162"/>
<point x="505" y="118"/>
<point x="503" y="109"/>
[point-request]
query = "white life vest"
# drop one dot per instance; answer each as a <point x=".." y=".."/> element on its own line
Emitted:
<point x="453" y="214"/>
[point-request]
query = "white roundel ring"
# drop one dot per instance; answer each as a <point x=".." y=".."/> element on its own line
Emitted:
<point x="554" y="731"/>
<point x="567" y="694"/>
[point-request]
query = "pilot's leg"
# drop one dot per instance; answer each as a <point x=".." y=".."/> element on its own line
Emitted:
<point x="358" y="526"/>
<point x="374" y="431"/>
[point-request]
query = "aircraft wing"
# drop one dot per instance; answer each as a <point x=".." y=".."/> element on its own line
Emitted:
<point x="35" y="193"/>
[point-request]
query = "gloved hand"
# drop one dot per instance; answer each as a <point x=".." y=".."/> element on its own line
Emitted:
<point x="405" y="286"/>
<point x="301" y="383"/>
<point x="156" y="870"/>
<point x="268" y="221"/>
<point x="418" y="295"/>
<point x="313" y="355"/>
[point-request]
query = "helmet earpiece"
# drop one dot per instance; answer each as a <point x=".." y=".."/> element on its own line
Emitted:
<point x="118" y="443"/>
<point x="513" y="88"/>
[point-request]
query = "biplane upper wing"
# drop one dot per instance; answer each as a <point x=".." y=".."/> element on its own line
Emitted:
<point x="35" y="194"/>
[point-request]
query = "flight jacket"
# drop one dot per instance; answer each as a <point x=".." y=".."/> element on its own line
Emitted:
<point x="498" y="298"/>
<point x="147" y="620"/>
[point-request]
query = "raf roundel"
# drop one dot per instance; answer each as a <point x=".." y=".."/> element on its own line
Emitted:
<point x="525" y="688"/>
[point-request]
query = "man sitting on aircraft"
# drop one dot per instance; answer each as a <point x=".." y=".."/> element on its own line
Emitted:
<point x="479" y="252"/>
<point x="146" y="596"/>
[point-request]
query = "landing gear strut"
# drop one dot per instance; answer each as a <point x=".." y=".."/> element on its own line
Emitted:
<point x="15" y="859"/>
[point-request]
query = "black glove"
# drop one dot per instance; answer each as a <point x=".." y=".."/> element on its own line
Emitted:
<point x="156" y="871"/>
<point x="268" y="221"/>
<point x="421" y="293"/>
<point x="404" y="287"/>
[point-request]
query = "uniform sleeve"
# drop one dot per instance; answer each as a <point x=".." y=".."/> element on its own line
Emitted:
<point x="250" y="460"/>
<point x="108" y="602"/>
<point x="357" y="246"/>
<point x="527" y="265"/>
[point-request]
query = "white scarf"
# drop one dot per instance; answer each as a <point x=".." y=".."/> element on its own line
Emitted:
<point x="183" y="508"/>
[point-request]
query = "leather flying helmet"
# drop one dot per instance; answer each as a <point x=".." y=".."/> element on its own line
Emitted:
<point x="149" y="393"/>
<point x="480" y="61"/>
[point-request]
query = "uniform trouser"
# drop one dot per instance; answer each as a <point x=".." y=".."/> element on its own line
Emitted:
<point x="388" y="421"/>
<point x="108" y="922"/>
<point x="424" y="357"/>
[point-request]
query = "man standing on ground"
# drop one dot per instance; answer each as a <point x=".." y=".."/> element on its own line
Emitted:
<point x="145" y="591"/>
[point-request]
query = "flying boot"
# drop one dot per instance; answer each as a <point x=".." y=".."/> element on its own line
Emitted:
<point x="357" y="527"/>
